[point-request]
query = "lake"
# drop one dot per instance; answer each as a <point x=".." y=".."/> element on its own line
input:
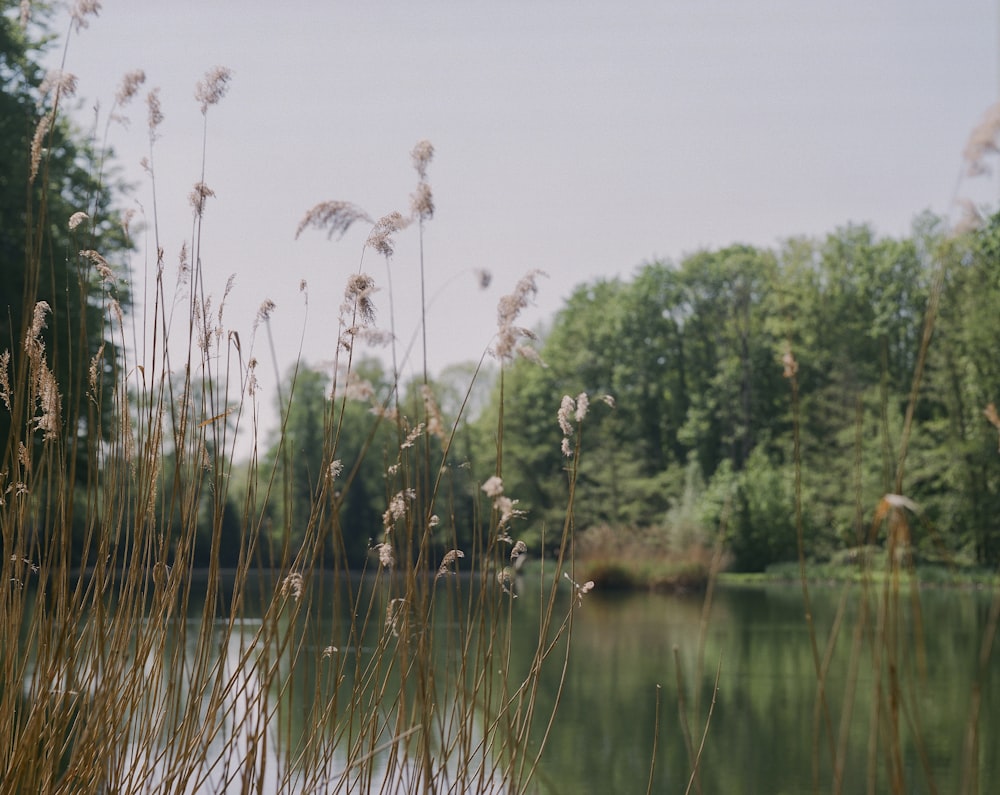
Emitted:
<point x="900" y="683"/>
<point x="766" y="735"/>
<point x="767" y="732"/>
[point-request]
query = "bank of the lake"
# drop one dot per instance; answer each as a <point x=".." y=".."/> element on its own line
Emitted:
<point x="691" y="572"/>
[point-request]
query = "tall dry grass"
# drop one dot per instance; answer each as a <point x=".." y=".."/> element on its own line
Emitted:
<point x="126" y="668"/>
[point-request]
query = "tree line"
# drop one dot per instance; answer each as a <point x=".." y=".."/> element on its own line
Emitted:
<point x="825" y="373"/>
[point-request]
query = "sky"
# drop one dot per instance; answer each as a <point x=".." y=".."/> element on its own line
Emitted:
<point x="580" y="137"/>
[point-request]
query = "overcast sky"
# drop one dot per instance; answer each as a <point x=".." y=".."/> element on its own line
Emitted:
<point x="582" y="137"/>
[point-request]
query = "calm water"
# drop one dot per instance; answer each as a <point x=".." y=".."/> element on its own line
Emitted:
<point x="634" y="655"/>
<point x="762" y="738"/>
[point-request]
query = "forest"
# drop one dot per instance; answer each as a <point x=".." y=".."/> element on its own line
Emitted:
<point x="825" y="373"/>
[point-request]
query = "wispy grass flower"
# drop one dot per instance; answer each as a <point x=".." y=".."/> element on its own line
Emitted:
<point x="197" y="197"/>
<point x="381" y="239"/>
<point x="292" y="586"/>
<point x="333" y="217"/>
<point x="493" y="487"/>
<point x="130" y="85"/>
<point x="579" y="590"/>
<point x="358" y="299"/>
<point x="154" y="112"/>
<point x="509" y="308"/>
<point x="82" y="9"/>
<point x="449" y="560"/>
<point x="58" y="83"/>
<point x="213" y="87"/>
<point x="100" y="264"/>
<point x="982" y="142"/>
<point x="37" y="145"/>
<point x="386" y="558"/>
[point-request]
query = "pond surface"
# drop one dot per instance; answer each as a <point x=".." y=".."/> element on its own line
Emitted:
<point x="900" y="679"/>
<point x="901" y="675"/>
<point x="767" y="734"/>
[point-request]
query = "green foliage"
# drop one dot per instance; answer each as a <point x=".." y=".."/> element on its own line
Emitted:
<point x="61" y="297"/>
<point x="692" y="353"/>
<point x="325" y="465"/>
<point x="761" y="527"/>
<point x="49" y="172"/>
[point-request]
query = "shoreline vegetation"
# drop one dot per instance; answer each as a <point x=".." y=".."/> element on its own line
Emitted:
<point x="692" y="573"/>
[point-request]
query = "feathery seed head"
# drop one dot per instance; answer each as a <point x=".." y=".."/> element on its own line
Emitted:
<point x="50" y="403"/>
<point x="982" y="142"/>
<point x="33" y="344"/>
<point x="506" y="579"/>
<point x="130" y="86"/>
<point x="395" y="615"/>
<point x="380" y="238"/>
<point x="493" y="487"/>
<point x="566" y="409"/>
<point x="94" y="370"/>
<point x="213" y="87"/>
<point x="36" y="145"/>
<point x="264" y="312"/>
<point x="422" y="201"/>
<point x="197" y="197"/>
<point x="356" y="388"/>
<point x="507" y="510"/>
<point x="5" y="378"/>
<point x="82" y="9"/>
<point x="422" y="155"/>
<point x="450" y="559"/>
<point x="335" y="217"/>
<point x="357" y="299"/>
<point x="791" y="367"/>
<point x="292" y="586"/>
<point x="126" y="220"/>
<point x="412" y="436"/>
<point x="59" y="83"/>
<point x="154" y="112"/>
<point x="525" y="351"/>
<point x="76" y="219"/>
<point x="101" y="264"/>
<point x="579" y="591"/>
<point x="397" y="508"/>
<point x="508" y="309"/>
<point x="435" y="422"/>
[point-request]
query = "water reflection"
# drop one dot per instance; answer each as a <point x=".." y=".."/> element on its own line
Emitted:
<point x="285" y="710"/>
<point x="765" y="725"/>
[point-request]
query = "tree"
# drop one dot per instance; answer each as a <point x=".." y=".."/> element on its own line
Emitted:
<point x="47" y="176"/>
<point x="326" y="465"/>
<point x="60" y="299"/>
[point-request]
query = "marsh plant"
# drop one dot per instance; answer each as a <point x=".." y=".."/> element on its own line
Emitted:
<point x="176" y="617"/>
<point x="165" y="617"/>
